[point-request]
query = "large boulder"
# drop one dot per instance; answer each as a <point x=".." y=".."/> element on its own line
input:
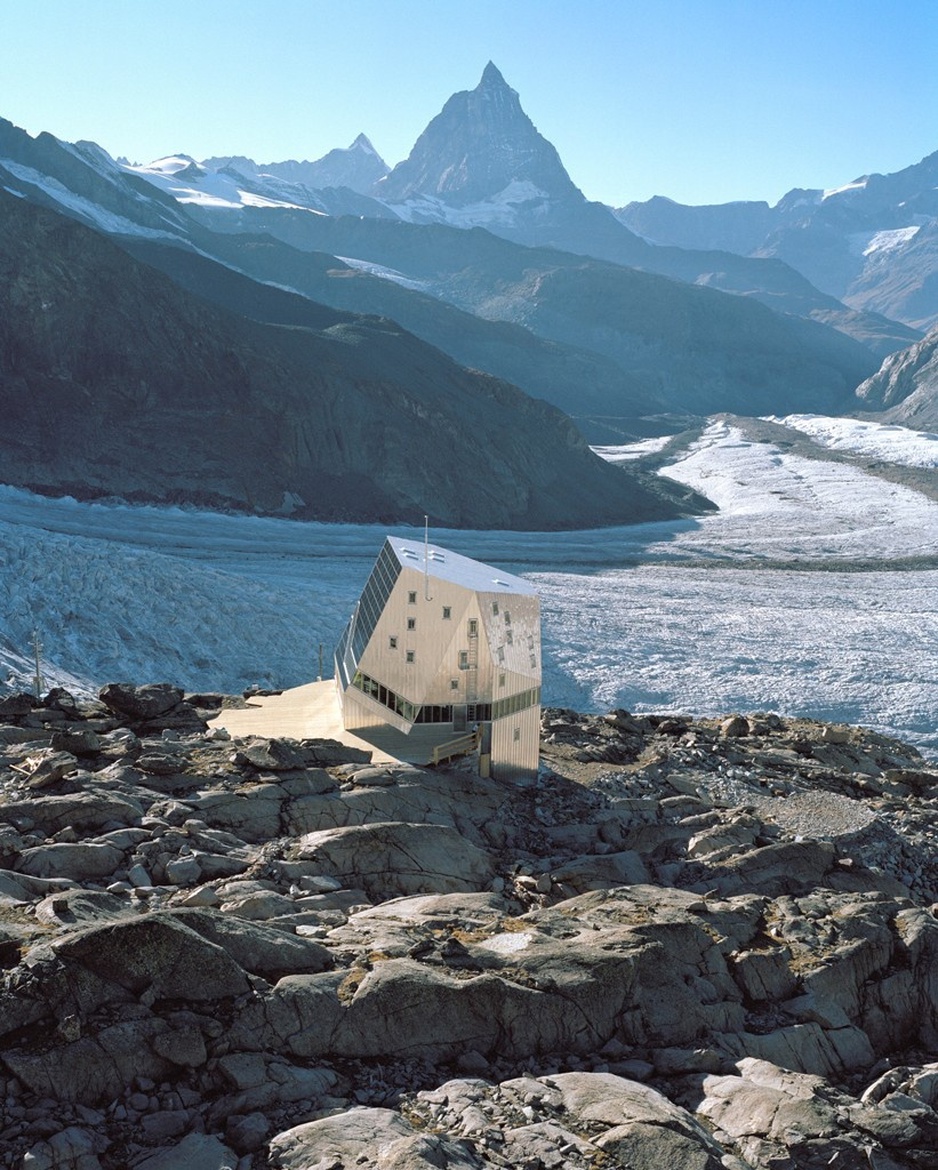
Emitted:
<point x="262" y="950"/>
<point x="285" y="755"/>
<point x="78" y="907"/>
<point x="69" y="1149"/>
<point x="90" y="810"/>
<point x="140" y="702"/>
<point x="647" y="1131"/>
<point x="95" y="1067"/>
<point x="196" y="1151"/>
<point x="352" y="1138"/>
<point x="158" y="955"/>
<point x="396" y="858"/>
<point x="80" y="860"/>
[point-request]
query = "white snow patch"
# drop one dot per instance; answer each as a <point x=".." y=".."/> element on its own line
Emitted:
<point x="169" y="165"/>
<point x="857" y="185"/>
<point x="501" y="209"/>
<point x="386" y="273"/>
<point x="206" y="189"/>
<point x="108" y="221"/>
<point x="626" y="452"/>
<point x="508" y="943"/>
<point x="874" y="244"/>
<point x="890" y="443"/>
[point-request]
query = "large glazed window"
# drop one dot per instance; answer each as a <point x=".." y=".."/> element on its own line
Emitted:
<point x="385" y="696"/>
<point x="374" y="598"/>
<point x="367" y="611"/>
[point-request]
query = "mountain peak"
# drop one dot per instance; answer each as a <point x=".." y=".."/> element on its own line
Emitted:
<point x="363" y="142"/>
<point x="491" y="77"/>
<point x="480" y="145"/>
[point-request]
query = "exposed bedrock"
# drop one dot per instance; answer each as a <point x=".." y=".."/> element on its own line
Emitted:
<point x="691" y="943"/>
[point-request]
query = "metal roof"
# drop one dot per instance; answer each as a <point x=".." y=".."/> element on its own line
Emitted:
<point x="445" y="565"/>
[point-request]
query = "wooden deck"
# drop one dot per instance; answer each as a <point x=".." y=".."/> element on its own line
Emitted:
<point x="312" y="712"/>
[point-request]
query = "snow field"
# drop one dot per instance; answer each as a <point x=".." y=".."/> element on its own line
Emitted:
<point x="892" y="443"/>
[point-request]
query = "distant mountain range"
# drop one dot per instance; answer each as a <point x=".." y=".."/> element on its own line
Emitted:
<point x="872" y="243"/>
<point x="478" y="245"/>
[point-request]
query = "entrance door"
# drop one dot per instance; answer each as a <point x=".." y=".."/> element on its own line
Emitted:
<point x="459" y="717"/>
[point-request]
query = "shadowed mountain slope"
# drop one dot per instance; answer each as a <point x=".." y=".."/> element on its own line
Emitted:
<point x="113" y="380"/>
<point x="682" y="347"/>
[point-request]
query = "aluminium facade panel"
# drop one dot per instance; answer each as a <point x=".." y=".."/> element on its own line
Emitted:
<point x="441" y="639"/>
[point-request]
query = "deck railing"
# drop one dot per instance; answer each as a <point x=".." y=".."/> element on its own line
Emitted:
<point x="462" y="746"/>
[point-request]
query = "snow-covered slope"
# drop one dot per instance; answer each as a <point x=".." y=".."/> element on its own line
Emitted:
<point x="82" y="181"/>
<point x="186" y="181"/>
<point x="685" y="615"/>
<point x="358" y="168"/>
<point x="895" y="444"/>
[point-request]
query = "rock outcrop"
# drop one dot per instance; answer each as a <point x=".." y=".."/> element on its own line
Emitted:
<point x="906" y="385"/>
<point x="691" y="943"/>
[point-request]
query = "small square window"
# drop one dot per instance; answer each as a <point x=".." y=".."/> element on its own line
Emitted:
<point x="411" y="623"/>
<point x="447" y="613"/>
<point x="501" y="680"/>
<point x="454" y="684"/>
<point x="412" y="597"/>
<point x="507" y="618"/>
<point x="410" y="655"/>
<point x="392" y="643"/>
<point x="495" y="608"/>
<point x="509" y="638"/>
<point x="516" y="735"/>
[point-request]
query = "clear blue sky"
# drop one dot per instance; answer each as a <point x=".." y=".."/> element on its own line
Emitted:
<point x="701" y="100"/>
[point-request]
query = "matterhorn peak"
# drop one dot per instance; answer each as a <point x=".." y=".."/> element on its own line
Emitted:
<point x="491" y="76"/>
<point x="481" y="144"/>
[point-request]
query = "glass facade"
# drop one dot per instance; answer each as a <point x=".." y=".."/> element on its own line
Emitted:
<point x="515" y="703"/>
<point x="367" y="611"/>
<point x="443" y="712"/>
<point x="374" y="598"/>
<point x="387" y="698"/>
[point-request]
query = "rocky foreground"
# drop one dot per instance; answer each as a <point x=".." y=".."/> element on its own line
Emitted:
<point x="691" y="944"/>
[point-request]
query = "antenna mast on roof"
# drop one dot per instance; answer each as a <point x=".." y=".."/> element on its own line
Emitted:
<point x="426" y="558"/>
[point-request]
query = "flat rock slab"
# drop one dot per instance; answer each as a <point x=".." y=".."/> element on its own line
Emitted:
<point x="353" y="1138"/>
<point x="387" y="860"/>
<point x="196" y="1151"/>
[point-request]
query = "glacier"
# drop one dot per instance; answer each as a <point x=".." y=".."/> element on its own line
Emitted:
<point x="788" y="599"/>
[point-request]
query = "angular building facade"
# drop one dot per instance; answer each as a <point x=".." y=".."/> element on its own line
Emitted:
<point x="452" y="645"/>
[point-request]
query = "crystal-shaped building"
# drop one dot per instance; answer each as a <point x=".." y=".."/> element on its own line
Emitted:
<point x="450" y="644"/>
